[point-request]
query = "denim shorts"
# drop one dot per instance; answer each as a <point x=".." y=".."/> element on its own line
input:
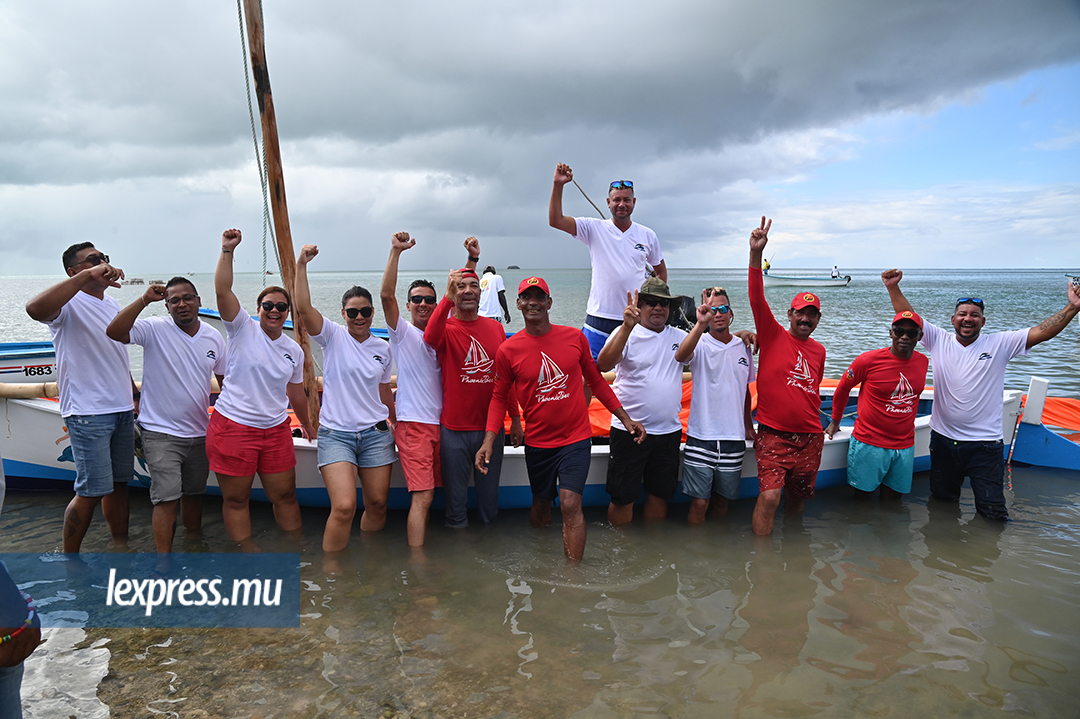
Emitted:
<point x="103" y="447"/>
<point x="371" y="447"/>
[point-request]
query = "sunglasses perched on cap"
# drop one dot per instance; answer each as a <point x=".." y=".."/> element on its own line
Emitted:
<point x="655" y="301"/>
<point x="366" y="312"/>
<point x="418" y="299"/>
<point x="970" y="301"/>
<point x="621" y="184"/>
<point x="720" y="309"/>
<point x="279" y="306"/>
<point x="94" y="260"/>
<point x="912" y="332"/>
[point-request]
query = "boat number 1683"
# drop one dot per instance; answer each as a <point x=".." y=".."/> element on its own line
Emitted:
<point x="38" y="371"/>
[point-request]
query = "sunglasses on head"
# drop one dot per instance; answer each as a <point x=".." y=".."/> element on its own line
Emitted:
<point x="279" y="306"/>
<point x="710" y="291"/>
<point x="912" y="332"/>
<point x="96" y="260"/>
<point x="654" y="301"/>
<point x="621" y="184"/>
<point x="352" y="312"/>
<point x="426" y="299"/>
<point x="970" y="301"/>
<point x="721" y="309"/>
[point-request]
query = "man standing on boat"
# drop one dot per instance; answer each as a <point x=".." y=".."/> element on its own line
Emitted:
<point x="419" y="397"/>
<point x="648" y="383"/>
<point x="789" y="437"/>
<point x="969" y="381"/>
<point x="97" y="394"/>
<point x="720" y="423"/>
<point x="619" y="251"/>
<point x="882" y="447"/>
<point x="544" y="365"/>
<point x="465" y="344"/>
<point x="493" y="296"/>
<point x="180" y="356"/>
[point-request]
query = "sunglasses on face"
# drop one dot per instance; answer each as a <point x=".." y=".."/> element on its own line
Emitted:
<point x="654" y="301"/>
<point x="720" y="309"/>
<point x="426" y="299"/>
<point x="622" y="184"/>
<point x="186" y="299"/>
<point x="95" y="260"/>
<point x="352" y="312"/>
<point x="279" y="306"/>
<point x="970" y="301"/>
<point x="912" y="332"/>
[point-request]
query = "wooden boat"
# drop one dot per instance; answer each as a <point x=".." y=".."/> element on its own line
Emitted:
<point x="1035" y="443"/>
<point x="22" y="362"/>
<point x="37" y="455"/>
<point x="788" y="281"/>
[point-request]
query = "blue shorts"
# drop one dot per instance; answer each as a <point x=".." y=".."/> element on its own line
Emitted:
<point x="869" y="466"/>
<point x="371" y="447"/>
<point x="597" y="330"/>
<point x="103" y="447"/>
<point x="568" y="465"/>
<point x="712" y="465"/>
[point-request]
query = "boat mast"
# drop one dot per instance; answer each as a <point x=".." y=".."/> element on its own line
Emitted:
<point x="276" y="181"/>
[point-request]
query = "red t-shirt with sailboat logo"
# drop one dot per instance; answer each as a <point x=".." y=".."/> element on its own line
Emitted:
<point x="546" y="374"/>
<point x="789" y="370"/>
<point x="466" y="352"/>
<point x="888" y="399"/>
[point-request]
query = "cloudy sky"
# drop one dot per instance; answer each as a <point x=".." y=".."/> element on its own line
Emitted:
<point x="913" y="134"/>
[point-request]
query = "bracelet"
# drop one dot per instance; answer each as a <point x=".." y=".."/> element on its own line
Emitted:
<point x="225" y="252"/>
<point x="473" y="259"/>
<point x="29" y="619"/>
<point x="145" y="304"/>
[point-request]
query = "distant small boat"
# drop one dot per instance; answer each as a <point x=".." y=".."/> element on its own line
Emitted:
<point x="787" y="281"/>
<point x="134" y="281"/>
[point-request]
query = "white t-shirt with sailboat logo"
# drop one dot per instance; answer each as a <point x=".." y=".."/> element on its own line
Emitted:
<point x="618" y="262"/>
<point x="969" y="381"/>
<point x="648" y="380"/>
<point x="257" y="373"/>
<point x="721" y="373"/>
<point x="352" y="374"/>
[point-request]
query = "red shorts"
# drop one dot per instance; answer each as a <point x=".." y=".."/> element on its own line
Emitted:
<point x="418" y="451"/>
<point x="237" y="450"/>
<point x="787" y="459"/>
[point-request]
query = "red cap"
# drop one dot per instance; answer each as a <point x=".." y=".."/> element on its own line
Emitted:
<point x="533" y="282"/>
<point x="805" y="299"/>
<point x="466" y="272"/>
<point x="908" y="315"/>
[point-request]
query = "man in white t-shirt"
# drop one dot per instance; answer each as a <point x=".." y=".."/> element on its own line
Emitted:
<point x="648" y="383"/>
<point x="969" y="380"/>
<point x="97" y="395"/>
<point x="720" y="423"/>
<point x="181" y="355"/>
<point x="493" y="296"/>
<point x="419" y="395"/>
<point x="620" y="252"/>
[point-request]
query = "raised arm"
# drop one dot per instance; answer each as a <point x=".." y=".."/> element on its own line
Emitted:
<point x="690" y="342"/>
<point x="759" y="237"/>
<point x="892" y="278"/>
<point x="472" y="246"/>
<point x="612" y="352"/>
<point x="228" y="305"/>
<point x="556" y="218"/>
<point x="398" y="244"/>
<point x="1050" y="328"/>
<point x="120" y="328"/>
<point x="313" y="319"/>
<point x="435" y="332"/>
<point x="46" y="306"/>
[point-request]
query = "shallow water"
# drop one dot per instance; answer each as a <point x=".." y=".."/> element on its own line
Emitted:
<point x="853" y="609"/>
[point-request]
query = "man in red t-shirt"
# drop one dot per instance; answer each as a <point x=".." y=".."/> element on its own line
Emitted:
<point x="465" y="344"/>
<point x="882" y="448"/>
<point x="544" y="364"/>
<point x="790" y="368"/>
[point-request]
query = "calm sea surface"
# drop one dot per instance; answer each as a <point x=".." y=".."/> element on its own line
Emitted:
<point x="852" y="609"/>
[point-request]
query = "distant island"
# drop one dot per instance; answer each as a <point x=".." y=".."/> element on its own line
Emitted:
<point x="512" y="267"/>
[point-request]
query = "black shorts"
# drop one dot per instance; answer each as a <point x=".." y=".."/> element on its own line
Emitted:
<point x="568" y="465"/>
<point x="654" y="463"/>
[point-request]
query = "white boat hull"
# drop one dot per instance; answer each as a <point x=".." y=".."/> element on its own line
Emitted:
<point x="782" y="281"/>
<point x="22" y="362"/>
<point x="35" y="445"/>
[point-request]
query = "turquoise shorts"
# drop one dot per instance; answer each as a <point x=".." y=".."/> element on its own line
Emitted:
<point x="869" y="466"/>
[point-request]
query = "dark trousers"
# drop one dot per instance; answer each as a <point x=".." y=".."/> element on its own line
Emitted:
<point x="983" y="462"/>
<point x="458" y="455"/>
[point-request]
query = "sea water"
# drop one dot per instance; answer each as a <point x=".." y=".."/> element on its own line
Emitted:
<point x="852" y="609"/>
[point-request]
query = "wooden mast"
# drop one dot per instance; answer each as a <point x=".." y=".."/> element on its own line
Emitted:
<point x="276" y="181"/>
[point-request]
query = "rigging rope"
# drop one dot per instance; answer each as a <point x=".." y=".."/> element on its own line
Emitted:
<point x="260" y="151"/>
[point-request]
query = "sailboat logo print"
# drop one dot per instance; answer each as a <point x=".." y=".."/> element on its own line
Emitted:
<point x="801" y="371"/>
<point x="476" y="359"/>
<point x="904" y="393"/>
<point x="551" y="377"/>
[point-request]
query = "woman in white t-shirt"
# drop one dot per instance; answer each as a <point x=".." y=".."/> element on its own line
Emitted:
<point x="356" y="439"/>
<point x="250" y="429"/>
